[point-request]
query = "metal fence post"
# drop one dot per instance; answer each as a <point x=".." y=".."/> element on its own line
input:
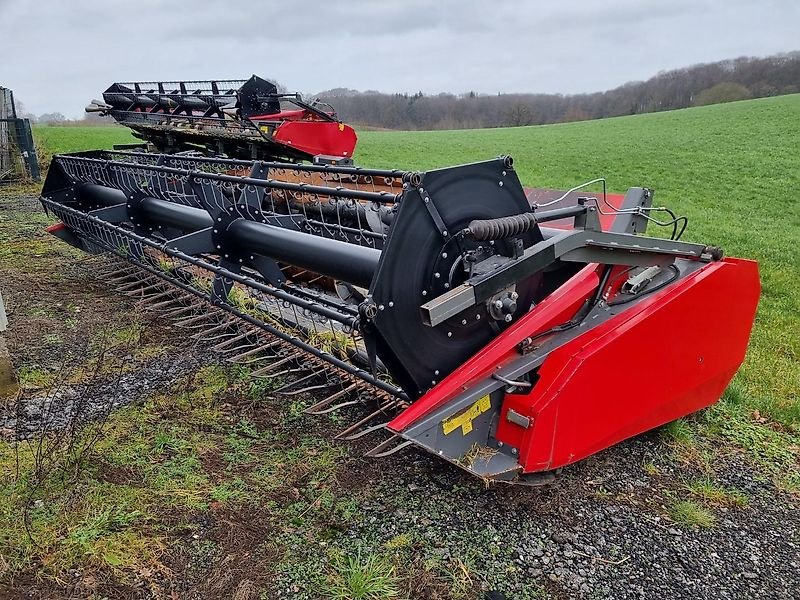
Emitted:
<point x="3" y="316"/>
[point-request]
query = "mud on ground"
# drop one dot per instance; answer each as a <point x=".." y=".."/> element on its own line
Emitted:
<point x="182" y="478"/>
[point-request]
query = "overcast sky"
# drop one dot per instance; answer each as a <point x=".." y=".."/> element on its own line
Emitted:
<point x="57" y="55"/>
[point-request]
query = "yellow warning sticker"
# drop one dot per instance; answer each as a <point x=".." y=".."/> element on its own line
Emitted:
<point x="465" y="419"/>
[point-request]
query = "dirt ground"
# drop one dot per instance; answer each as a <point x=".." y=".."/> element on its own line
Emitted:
<point x="205" y="486"/>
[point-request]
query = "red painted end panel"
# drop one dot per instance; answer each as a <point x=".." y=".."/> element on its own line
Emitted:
<point x="317" y="137"/>
<point x="558" y="307"/>
<point x="666" y="357"/>
<point x="55" y="228"/>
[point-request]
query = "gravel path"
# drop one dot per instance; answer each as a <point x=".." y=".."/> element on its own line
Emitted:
<point x="600" y="531"/>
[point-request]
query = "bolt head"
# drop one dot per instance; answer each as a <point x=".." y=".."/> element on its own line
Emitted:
<point x="514" y="295"/>
<point x="508" y="318"/>
<point x="498" y="304"/>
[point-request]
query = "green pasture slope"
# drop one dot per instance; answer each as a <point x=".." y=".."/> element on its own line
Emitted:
<point x="57" y="139"/>
<point x="734" y="169"/>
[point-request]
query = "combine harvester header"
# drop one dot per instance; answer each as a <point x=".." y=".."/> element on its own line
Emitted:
<point x="231" y="118"/>
<point x="509" y="333"/>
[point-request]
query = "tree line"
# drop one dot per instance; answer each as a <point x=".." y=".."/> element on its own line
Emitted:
<point x="712" y="83"/>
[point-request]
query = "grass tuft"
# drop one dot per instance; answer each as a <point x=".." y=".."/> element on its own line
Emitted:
<point x="707" y="491"/>
<point x="358" y="577"/>
<point x="690" y="514"/>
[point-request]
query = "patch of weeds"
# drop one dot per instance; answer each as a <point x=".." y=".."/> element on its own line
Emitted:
<point x="651" y="469"/>
<point x="260" y="387"/>
<point x="789" y="482"/>
<point x="149" y="351"/>
<point x="65" y="520"/>
<point x="35" y="377"/>
<point x="709" y="492"/>
<point x="358" y="577"/>
<point x="229" y="491"/>
<point x="777" y="452"/>
<point x="459" y="578"/>
<point x="181" y="481"/>
<point x="105" y="537"/>
<point x="687" y="446"/>
<point x="53" y="339"/>
<point x="679" y="432"/>
<point x="208" y="382"/>
<point x="237" y="449"/>
<point x="294" y="412"/>
<point x="690" y="514"/>
<point x="398" y="542"/>
<point x="127" y="336"/>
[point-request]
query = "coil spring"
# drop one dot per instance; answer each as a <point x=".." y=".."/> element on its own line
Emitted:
<point x="501" y="228"/>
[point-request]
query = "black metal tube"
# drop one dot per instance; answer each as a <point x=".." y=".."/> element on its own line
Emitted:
<point x="560" y="213"/>
<point x="95" y="195"/>
<point x="179" y="216"/>
<point x="340" y="260"/>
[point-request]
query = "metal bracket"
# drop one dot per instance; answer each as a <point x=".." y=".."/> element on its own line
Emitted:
<point x="513" y="416"/>
<point x="437" y="218"/>
<point x="571" y="246"/>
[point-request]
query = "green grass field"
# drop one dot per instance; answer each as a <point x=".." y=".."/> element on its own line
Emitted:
<point x="57" y="139"/>
<point x="733" y="169"/>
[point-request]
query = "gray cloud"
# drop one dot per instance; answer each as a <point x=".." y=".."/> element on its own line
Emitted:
<point x="64" y="53"/>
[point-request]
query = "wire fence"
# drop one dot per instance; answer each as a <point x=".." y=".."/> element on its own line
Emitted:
<point x="17" y="151"/>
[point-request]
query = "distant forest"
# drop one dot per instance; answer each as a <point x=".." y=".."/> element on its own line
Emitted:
<point x="725" y="81"/>
<point x="712" y="83"/>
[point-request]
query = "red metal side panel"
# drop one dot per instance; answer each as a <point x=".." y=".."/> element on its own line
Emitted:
<point x="666" y="357"/>
<point x="317" y="137"/>
<point x="557" y="308"/>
